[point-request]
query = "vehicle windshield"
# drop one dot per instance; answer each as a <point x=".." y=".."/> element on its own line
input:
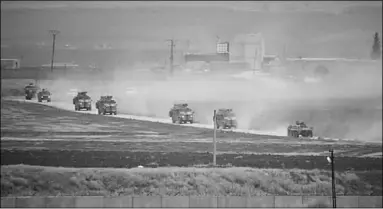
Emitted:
<point x="111" y="101"/>
<point x="30" y="87"/>
<point x="83" y="97"/>
<point x="229" y="114"/>
<point x="185" y="110"/>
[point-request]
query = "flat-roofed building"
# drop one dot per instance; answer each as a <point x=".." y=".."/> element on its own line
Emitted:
<point x="10" y="63"/>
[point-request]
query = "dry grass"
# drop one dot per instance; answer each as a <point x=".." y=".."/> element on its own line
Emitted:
<point x="23" y="180"/>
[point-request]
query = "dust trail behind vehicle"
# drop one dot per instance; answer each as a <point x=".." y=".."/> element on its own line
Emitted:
<point x="346" y="105"/>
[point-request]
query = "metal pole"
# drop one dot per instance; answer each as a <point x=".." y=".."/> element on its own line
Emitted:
<point x="171" y="56"/>
<point x="333" y="179"/>
<point x="54" y="33"/>
<point x="255" y="59"/>
<point x="214" y="139"/>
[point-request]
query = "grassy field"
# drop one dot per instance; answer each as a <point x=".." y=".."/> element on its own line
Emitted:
<point x="22" y="180"/>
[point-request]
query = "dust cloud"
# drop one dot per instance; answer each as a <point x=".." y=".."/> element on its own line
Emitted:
<point x="346" y="104"/>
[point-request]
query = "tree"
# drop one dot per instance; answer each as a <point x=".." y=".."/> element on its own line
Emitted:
<point x="376" y="50"/>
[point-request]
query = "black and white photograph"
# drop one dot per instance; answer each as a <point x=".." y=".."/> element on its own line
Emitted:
<point x="191" y="104"/>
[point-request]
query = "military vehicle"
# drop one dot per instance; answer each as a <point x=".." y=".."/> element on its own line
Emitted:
<point x="225" y="118"/>
<point x="44" y="95"/>
<point x="82" y="101"/>
<point x="299" y="129"/>
<point x="30" y="91"/>
<point x="181" y="113"/>
<point x="106" y="104"/>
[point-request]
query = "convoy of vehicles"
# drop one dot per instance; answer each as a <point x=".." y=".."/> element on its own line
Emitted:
<point x="180" y="112"/>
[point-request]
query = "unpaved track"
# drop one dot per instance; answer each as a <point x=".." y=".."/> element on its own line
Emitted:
<point x="96" y="151"/>
<point x="68" y="106"/>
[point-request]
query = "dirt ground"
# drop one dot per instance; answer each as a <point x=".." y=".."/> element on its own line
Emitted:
<point x="36" y="137"/>
<point x="34" y="126"/>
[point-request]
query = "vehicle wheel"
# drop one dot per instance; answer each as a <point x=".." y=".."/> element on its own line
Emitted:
<point x="103" y="112"/>
<point x="48" y="100"/>
<point x="296" y="134"/>
<point x="115" y="113"/>
<point x="191" y="122"/>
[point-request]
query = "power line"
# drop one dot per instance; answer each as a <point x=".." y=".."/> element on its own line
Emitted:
<point x="215" y="139"/>
<point x="171" y="58"/>
<point x="332" y="159"/>
<point x="54" y="33"/>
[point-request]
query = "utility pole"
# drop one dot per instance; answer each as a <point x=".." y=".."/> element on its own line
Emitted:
<point x="172" y="45"/>
<point x="255" y="58"/>
<point x="214" y="139"/>
<point x="331" y="160"/>
<point x="54" y="33"/>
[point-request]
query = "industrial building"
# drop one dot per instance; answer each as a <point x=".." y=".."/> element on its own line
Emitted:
<point x="246" y="50"/>
<point x="10" y="64"/>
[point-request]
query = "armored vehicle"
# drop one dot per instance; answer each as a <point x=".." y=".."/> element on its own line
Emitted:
<point x="181" y="113"/>
<point x="82" y="101"/>
<point x="44" y="95"/>
<point x="106" y="105"/>
<point x="299" y="129"/>
<point x="225" y="119"/>
<point x="30" y="91"/>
